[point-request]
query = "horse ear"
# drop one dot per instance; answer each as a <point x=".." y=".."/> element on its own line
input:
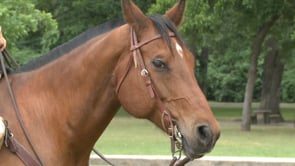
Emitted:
<point x="175" y="14"/>
<point x="133" y="15"/>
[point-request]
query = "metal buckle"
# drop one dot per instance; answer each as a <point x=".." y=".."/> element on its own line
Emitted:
<point x="8" y="133"/>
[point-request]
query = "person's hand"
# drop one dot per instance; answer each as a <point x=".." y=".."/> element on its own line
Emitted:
<point x="2" y="43"/>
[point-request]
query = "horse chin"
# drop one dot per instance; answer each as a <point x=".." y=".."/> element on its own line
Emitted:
<point x="191" y="154"/>
<point x="193" y="151"/>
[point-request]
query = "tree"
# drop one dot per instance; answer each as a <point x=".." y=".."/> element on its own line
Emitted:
<point x="280" y="16"/>
<point x="252" y="73"/>
<point x="76" y="16"/>
<point x="272" y="76"/>
<point x="20" y="18"/>
<point x="258" y="26"/>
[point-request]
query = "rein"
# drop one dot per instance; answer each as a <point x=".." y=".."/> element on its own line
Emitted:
<point x="167" y="121"/>
<point x="11" y="143"/>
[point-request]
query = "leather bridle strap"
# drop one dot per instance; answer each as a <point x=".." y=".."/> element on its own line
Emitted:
<point x="135" y="46"/>
<point x="138" y="60"/>
<point x="15" y="147"/>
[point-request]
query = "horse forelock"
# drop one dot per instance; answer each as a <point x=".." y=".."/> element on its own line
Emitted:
<point x="163" y="26"/>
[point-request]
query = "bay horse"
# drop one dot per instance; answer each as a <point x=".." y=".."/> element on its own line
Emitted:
<point x="142" y="65"/>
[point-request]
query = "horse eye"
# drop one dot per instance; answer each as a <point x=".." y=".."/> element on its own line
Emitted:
<point x="159" y="64"/>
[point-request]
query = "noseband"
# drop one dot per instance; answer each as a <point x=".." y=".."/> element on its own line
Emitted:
<point x="167" y="121"/>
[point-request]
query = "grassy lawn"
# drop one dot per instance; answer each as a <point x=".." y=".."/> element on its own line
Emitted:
<point x="127" y="135"/>
<point x="234" y="113"/>
<point x="271" y="141"/>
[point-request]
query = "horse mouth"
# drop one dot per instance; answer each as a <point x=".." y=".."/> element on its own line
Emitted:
<point x="191" y="150"/>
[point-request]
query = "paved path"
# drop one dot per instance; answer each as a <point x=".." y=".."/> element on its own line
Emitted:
<point x="133" y="160"/>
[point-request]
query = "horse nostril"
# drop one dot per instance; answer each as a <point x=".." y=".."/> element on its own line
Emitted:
<point x="205" y="135"/>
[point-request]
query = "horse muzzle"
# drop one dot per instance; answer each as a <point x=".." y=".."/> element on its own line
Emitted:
<point x="202" y="142"/>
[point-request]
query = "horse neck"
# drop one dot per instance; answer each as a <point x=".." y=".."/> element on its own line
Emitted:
<point x="76" y="92"/>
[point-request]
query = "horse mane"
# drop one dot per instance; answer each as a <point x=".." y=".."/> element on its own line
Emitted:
<point x="70" y="45"/>
<point x="162" y="25"/>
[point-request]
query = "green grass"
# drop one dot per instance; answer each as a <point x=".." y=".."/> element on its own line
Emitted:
<point x="227" y="114"/>
<point x="289" y="114"/>
<point x="271" y="141"/>
<point x="127" y="135"/>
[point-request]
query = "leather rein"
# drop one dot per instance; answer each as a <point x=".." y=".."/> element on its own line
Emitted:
<point x="167" y="121"/>
<point x="10" y="142"/>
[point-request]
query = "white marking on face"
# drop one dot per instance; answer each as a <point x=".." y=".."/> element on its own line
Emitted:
<point x="179" y="50"/>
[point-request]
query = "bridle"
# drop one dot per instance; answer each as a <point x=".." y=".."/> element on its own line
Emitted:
<point x="168" y="122"/>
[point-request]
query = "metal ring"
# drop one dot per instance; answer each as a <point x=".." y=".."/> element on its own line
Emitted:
<point x="144" y="72"/>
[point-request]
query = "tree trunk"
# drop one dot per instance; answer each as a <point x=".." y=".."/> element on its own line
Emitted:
<point x="252" y="73"/>
<point x="272" y="76"/>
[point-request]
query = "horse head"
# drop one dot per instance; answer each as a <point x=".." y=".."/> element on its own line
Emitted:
<point x="158" y="82"/>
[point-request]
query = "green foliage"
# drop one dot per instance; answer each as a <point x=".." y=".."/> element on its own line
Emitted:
<point x="161" y="6"/>
<point x="288" y="84"/>
<point x="25" y="54"/>
<point x="226" y="28"/>
<point x="19" y="19"/>
<point x="227" y="81"/>
<point x="293" y="34"/>
<point x="76" y="16"/>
